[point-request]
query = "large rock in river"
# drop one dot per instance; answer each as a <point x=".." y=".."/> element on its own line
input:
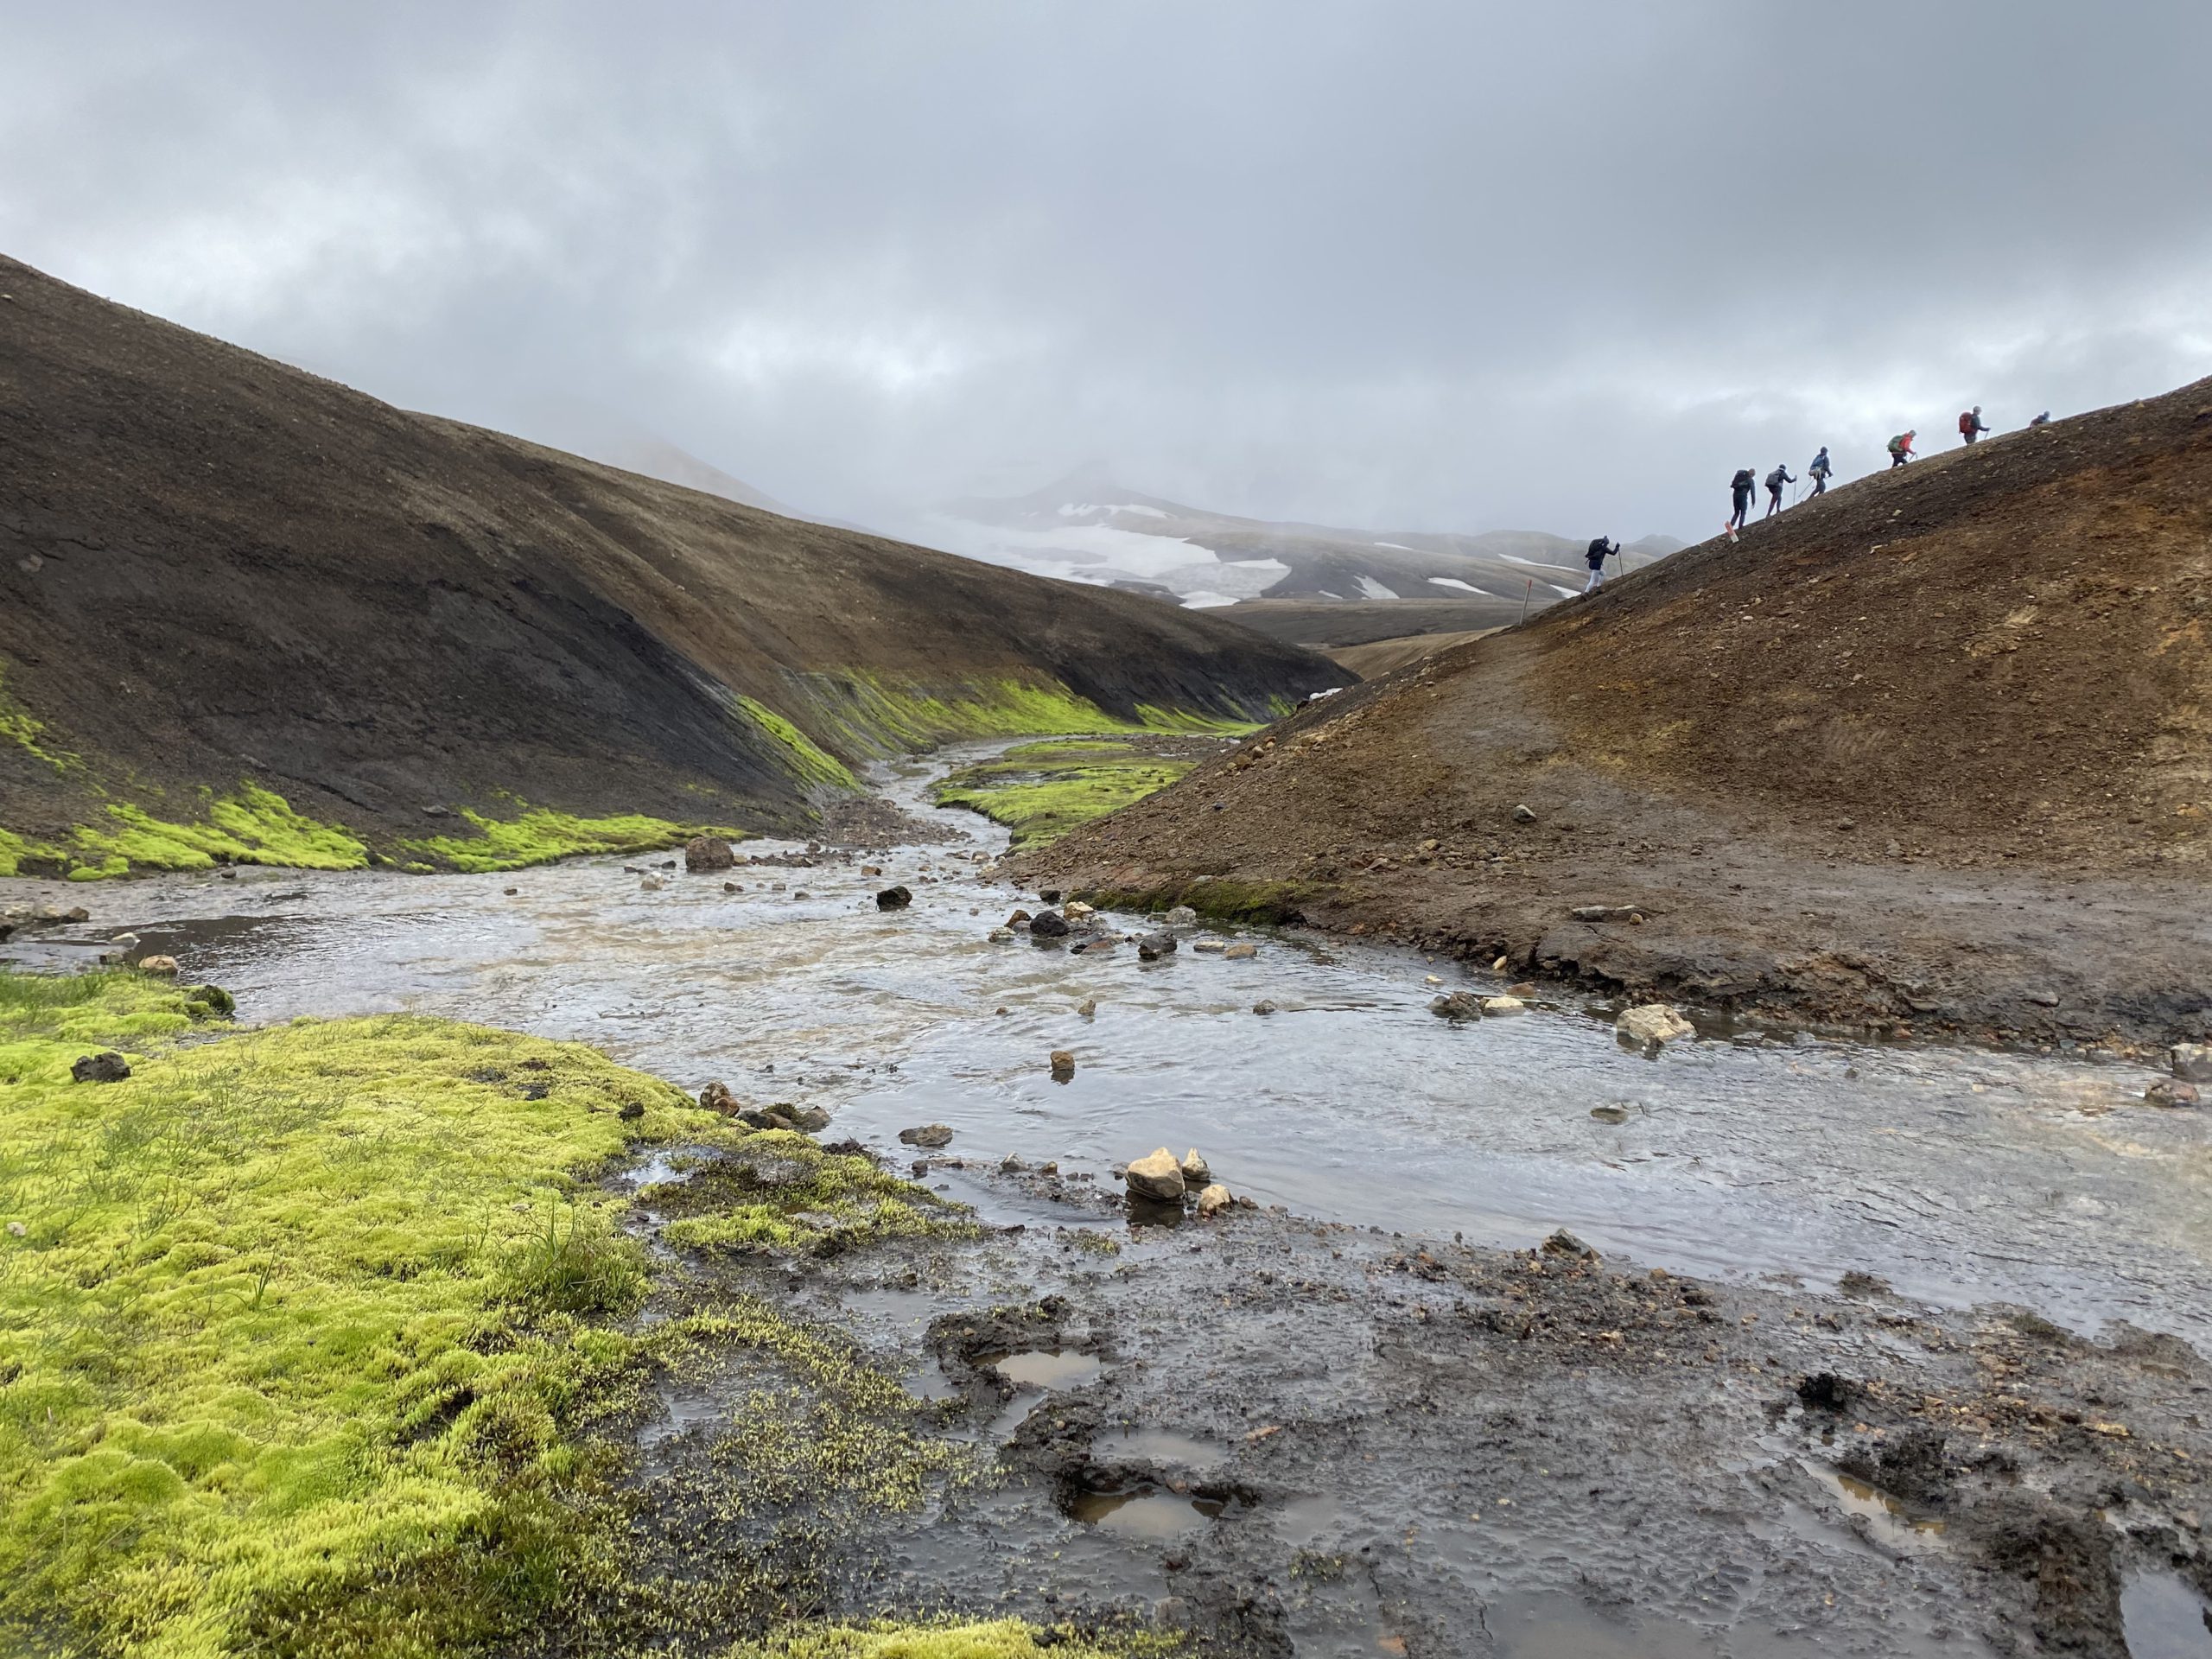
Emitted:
<point x="1158" y="1175"/>
<point x="708" y="853"/>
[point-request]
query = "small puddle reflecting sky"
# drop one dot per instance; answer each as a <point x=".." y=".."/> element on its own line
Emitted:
<point x="1959" y="1176"/>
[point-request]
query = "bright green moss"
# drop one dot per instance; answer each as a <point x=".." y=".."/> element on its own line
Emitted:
<point x="1041" y="791"/>
<point x="297" y="1340"/>
<point x="252" y="826"/>
<point x="26" y="732"/>
<point x="293" y="1315"/>
<point x="540" y="836"/>
<point x="811" y="762"/>
<point x="16" y="851"/>
<point x="875" y="715"/>
<point x="1003" y="1638"/>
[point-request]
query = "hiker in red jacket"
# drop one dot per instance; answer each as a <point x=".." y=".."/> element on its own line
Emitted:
<point x="1900" y="448"/>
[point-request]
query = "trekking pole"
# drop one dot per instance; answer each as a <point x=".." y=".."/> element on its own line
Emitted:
<point x="1524" y="601"/>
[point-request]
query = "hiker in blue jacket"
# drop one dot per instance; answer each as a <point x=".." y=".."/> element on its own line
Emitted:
<point x="1819" y="470"/>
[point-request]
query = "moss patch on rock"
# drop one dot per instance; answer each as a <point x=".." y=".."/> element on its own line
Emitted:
<point x="1042" y="790"/>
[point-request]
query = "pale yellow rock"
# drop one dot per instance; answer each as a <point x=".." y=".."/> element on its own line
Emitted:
<point x="157" y="965"/>
<point x="1653" y="1023"/>
<point x="1215" y="1198"/>
<point x="1156" y="1175"/>
<point x="1195" y="1171"/>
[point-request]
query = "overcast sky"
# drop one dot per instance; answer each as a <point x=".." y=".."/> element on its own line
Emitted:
<point x="1398" y="265"/>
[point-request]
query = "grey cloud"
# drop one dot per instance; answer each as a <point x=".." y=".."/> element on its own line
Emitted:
<point x="1403" y="266"/>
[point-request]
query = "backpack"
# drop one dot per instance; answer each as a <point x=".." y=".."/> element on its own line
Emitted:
<point x="1599" y="550"/>
<point x="1965" y="422"/>
<point x="1774" y="479"/>
<point x="1897" y="444"/>
<point x="1742" y="480"/>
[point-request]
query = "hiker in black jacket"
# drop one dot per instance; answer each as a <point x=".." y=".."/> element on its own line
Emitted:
<point x="1741" y="487"/>
<point x="1775" y="480"/>
<point x="1600" y="551"/>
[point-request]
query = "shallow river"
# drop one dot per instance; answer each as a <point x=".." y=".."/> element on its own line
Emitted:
<point x="1958" y="1175"/>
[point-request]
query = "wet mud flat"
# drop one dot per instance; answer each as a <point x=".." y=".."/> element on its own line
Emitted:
<point x="1282" y="1436"/>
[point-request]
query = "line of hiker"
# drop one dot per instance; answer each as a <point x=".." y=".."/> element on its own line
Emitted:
<point x="1817" y="474"/>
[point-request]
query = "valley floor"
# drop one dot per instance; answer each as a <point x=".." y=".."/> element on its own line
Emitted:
<point x="650" y="1378"/>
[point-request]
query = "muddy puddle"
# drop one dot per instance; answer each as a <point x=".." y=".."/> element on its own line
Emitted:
<point x="1956" y="1176"/>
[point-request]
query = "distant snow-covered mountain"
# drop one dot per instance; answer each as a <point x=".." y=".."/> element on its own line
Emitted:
<point x="1088" y="528"/>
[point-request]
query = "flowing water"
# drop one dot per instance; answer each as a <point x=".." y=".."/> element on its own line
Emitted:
<point x="1957" y="1175"/>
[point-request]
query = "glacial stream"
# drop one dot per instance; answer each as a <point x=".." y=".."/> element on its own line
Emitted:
<point x="1957" y="1175"/>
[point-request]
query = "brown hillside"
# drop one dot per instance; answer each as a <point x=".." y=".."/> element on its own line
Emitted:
<point x="215" y="568"/>
<point x="1936" y="748"/>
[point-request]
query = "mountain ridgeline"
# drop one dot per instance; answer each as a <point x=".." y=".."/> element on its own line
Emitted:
<point x="249" y="612"/>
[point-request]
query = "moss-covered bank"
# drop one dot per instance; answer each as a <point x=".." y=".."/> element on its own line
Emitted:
<point x="308" y="1335"/>
<point x="1042" y="790"/>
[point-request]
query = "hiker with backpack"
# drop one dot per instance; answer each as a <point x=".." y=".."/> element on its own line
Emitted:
<point x="1775" y="480"/>
<point x="1819" y="470"/>
<point x="1970" y="426"/>
<point x="1900" y="448"/>
<point x="1600" y="551"/>
<point x="1740" y="489"/>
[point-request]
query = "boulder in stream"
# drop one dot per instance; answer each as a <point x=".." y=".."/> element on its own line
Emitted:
<point x="1048" y="924"/>
<point x="1242" y="951"/>
<point x="1181" y="916"/>
<point x="928" y="1134"/>
<point x="2171" y="1091"/>
<point x="896" y="898"/>
<point x="1460" y="1005"/>
<point x="1196" y="1172"/>
<point x="1214" y="1198"/>
<point x="1157" y="1176"/>
<point x="162" y="965"/>
<point x="1152" y="946"/>
<point x="1063" y="1064"/>
<point x="1653" y="1025"/>
<point x="1494" y="1006"/>
<point x="708" y="853"/>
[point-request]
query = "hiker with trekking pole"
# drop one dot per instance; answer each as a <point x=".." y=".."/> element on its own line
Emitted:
<point x="1775" y="480"/>
<point x="1599" y="552"/>
<point x="1970" y="425"/>
<point x="1900" y="448"/>
<point x="1819" y="470"/>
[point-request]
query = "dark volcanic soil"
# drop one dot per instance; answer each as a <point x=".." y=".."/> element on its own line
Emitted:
<point x="216" y="568"/>
<point x="1283" y="1435"/>
<point x="1930" y="752"/>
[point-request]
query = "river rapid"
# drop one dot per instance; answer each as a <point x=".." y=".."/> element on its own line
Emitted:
<point x="1959" y="1176"/>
